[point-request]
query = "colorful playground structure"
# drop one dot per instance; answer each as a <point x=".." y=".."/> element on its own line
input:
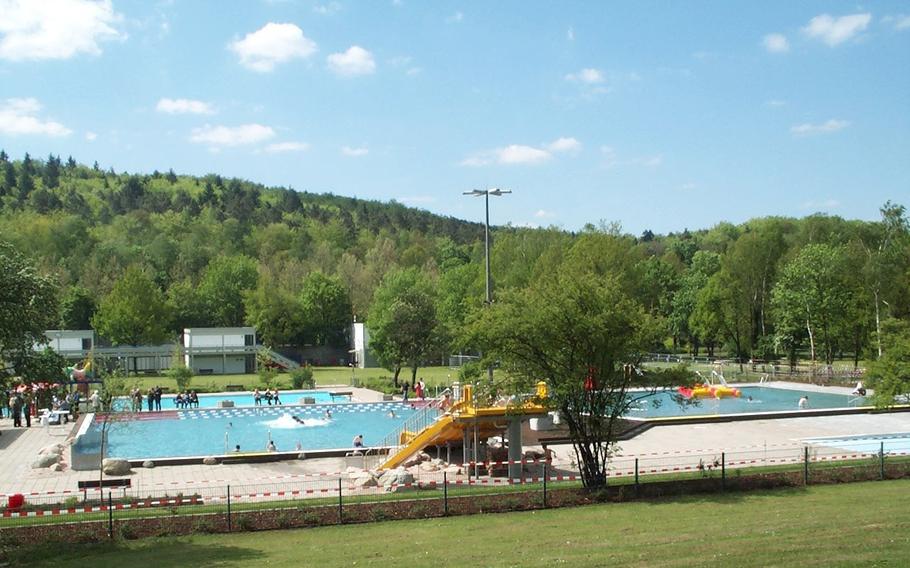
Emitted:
<point x="464" y="421"/>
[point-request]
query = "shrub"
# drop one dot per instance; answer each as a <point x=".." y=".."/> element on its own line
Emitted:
<point x="267" y="377"/>
<point x="203" y="525"/>
<point x="302" y="377"/>
<point x="244" y="522"/>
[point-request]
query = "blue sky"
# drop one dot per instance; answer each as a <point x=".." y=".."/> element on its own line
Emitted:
<point x="659" y="115"/>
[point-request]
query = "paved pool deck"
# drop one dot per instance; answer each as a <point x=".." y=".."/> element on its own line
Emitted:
<point x="20" y="446"/>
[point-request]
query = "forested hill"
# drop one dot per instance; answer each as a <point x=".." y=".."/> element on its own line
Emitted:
<point x="173" y="251"/>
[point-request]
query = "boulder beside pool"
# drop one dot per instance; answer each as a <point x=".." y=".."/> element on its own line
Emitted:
<point x="210" y="461"/>
<point x="116" y="466"/>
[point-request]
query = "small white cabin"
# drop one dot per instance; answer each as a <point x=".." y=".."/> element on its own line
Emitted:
<point x="220" y="350"/>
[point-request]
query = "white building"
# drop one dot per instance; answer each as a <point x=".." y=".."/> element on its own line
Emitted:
<point x="220" y="350"/>
<point x="70" y="343"/>
<point x="363" y="358"/>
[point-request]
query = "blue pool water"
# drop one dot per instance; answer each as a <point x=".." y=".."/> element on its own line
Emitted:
<point x="898" y="443"/>
<point x="239" y="399"/>
<point x="208" y="432"/>
<point x="764" y="399"/>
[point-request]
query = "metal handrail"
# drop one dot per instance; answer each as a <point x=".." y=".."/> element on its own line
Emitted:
<point x="422" y="419"/>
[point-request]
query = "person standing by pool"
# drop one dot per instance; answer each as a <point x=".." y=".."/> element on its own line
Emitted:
<point x="151" y="399"/>
<point x="257" y="397"/>
<point x="418" y="389"/>
<point x="275" y="396"/>
<point x="158" y="398"/>
<point x="404" y="391"/>
<point x="803" y="403"/>
<point x="95" y="400"/>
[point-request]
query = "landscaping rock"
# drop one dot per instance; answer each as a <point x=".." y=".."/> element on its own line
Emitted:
<point x="453" y="470"/>
<point x="396" y="477"/>
<point x="428" y="466"/>
<point x="45" y="460"/>
<point x="57" y="467"/>
<point x="52" y="449"/>
<point x="116" y="466"/>
<point x="210" y="461"/>
<point x="364" y="479"/>
<point x="148" y="464"/>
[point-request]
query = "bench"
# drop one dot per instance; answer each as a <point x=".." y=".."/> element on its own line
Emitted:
<point x="99" y="483"/>
<point x="232" y="388"/>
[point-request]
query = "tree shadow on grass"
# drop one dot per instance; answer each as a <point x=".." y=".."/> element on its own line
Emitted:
<point x="160" y="553"/>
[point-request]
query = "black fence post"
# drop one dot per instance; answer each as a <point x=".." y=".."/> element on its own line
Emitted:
<point x="340" y="504"/>
<point x="229" y="507"/>
<point x="723" y="471"/>
<point x="546" y="474"/>
<point x="806" y="465"/>
<point x="110" y="513"/>
<point x="445" y="494"/>
<point x="881" y="461"/>
<point x="636" y="476"/>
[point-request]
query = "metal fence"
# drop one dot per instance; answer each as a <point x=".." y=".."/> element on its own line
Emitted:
<point x="229" y="506"/>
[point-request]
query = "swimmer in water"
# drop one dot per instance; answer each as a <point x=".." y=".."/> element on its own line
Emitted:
<point x="391" y="414"/>
<point x="328" y="414"/>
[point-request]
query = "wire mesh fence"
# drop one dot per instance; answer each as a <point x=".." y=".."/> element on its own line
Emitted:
<point x="429" y="490"/>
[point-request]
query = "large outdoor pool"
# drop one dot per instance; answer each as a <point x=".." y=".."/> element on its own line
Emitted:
<point x="211" y="431"/>
<point x="763" y="399"/>
<point x="897" y="443"/>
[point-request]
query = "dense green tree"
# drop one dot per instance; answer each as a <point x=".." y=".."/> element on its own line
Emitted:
<point x="77" y="308"/>
<point x="584" y="336"/>
<point x="811" y="296"/>
<point x="225" y="282"/>
<point x="890" y="374"/>
<point x="326" y="310"/>
<point x="404" y="328"/>
<point x="274" y="312"/>
<point x="135" y="312"/>
<point x="28" y="307"/>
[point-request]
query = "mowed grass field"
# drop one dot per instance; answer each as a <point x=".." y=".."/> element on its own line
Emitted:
<point x="835" y="525"/>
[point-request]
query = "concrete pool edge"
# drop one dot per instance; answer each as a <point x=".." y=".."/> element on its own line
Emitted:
<point x="262" y="457"/>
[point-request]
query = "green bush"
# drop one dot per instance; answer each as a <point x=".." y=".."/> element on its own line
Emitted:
<point x="302" y="378"/>
<point x="381" y="384"/>
<point x="267" y="377"/>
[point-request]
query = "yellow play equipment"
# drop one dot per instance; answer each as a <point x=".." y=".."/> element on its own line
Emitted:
<point x="450" y="426"/>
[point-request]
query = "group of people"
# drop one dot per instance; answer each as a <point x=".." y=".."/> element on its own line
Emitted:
<point x="19" y="406"/>
<point x="420" y="390"/>
<point x="270" y="396"/>
<point x="186" y="400"/>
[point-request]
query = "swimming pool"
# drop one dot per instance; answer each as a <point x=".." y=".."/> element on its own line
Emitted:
<point x="897" y="443"/>
<point x="763" y="399"/>
<point x="239" y="399"/>
<point x="205" y="432"/>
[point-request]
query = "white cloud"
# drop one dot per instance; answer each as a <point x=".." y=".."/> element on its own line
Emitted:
<point x="688" y="186"/>
<point x="544" y="214"/>
<point x="900" y="22"/>
<point x="20" y="116"/>
<point x="564" y="145"/>
<point x="327" y="9"/>
<point x="520" y="154"/>
<point x="217" y="136"/>
<point x="353" y="62"/>
<point x="775" y="103"/>
<point x="651" y="161"/>
<point x="776" y="43"/>
<point x="827" y="127"/>
<point x="55" y="29"/>
<point x="90" y="136"/>
<point x="272" y="44"/>
<point x="413" y="71"/>
<point x="184" y="106"/>
<point x="287" y="147"/>
<point x="834" y="31"/>
<point x="455" y="18"/>
<point x="570" y="34"/>
<point x="589" y="76"/>
<point x="355" y="152"/>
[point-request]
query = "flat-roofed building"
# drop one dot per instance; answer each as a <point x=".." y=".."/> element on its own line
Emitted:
<point x="220" y="350"/>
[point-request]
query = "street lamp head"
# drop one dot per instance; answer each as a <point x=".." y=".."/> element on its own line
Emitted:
<point x="497" y="191"/>
<point x="475" y="192"/>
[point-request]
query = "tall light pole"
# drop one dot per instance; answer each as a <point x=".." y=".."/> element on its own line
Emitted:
<point x="486" y="193"/>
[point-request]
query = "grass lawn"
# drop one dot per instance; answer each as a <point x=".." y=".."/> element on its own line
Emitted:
<point x="432" y="376"/>
<point x="832" y="525"/>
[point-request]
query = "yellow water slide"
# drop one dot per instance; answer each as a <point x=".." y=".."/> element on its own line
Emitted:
<point x="450" y="426"/>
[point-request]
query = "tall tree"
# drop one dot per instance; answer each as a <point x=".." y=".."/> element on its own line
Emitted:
<point x="225" y="282"/>
<point x="326" y="310"/>
<point x="77" y="308"/>
<point x="811" y="296"/>
<point x="28" y="307"/>
<point x="584" y="336"/>
<point x="134" y="312"/>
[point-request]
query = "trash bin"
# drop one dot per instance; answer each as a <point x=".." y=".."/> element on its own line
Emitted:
<point x="15" y="502"/>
